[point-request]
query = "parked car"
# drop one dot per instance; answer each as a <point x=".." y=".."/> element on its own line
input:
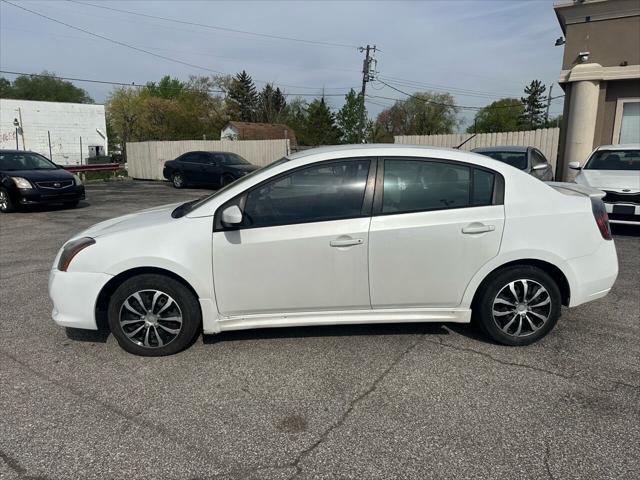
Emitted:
<point x="343" y="235"/>
<point x="528" y="159"/>
<point x="615" y="169"/>
<point x="28" y="178"/>
<point x="216" y="169"/>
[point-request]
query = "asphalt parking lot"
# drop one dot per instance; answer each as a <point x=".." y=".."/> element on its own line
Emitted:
<point x="408" y="401"/>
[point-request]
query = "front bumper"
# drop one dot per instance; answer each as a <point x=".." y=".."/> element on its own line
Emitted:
<point x="628" y="213"/>
<point x="34" y="196"/>
<point x="74" y="296"/>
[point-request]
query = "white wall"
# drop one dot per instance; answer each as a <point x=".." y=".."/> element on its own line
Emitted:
<point x="145" y="160"/>
<point x="545" y="139"/>
<point x="66" y="122"/>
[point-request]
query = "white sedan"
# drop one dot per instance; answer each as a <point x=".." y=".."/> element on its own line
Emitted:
<point x="343" y="235"/>
<point x="615" y="169"/>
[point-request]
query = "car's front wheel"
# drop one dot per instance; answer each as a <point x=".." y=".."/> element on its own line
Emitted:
<point x="154" y="315"/>
<point x="177" y="179"/>
<point x="518" y="305"/>
<point x="6" y="205"/>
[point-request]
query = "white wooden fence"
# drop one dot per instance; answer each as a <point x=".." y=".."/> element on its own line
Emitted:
<point x="545" y="139"/>
<point x="145" y="160"/>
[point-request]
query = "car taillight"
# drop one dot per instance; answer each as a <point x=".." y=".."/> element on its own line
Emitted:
<point x="602" y="219"/>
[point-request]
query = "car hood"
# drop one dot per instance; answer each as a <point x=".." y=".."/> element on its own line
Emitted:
<point x="142" y="219"/>
<point x="40" y="175"/>
<point x="613" y="180"/>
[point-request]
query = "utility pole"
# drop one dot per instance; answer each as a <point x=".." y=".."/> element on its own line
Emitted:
<point x="366" y="77"/>
<point x="546" y="115"/>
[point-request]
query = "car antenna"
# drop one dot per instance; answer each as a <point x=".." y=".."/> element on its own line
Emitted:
<point x="472" y="136"/>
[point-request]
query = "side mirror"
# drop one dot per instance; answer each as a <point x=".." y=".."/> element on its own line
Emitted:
<point x="231" y="216"/>
<point x="541" y="166"/>
<point x="574" y="165"/>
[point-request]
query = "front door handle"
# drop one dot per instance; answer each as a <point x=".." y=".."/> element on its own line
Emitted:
<point x="346" y="242"/>
<point x="478" y="228"/>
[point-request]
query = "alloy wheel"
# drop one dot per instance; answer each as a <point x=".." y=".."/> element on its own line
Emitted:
<point x="177" y="180"/>
<point x="4" y="200"/>
<point x="521" y="307"/>
<point x="150" y="318"/>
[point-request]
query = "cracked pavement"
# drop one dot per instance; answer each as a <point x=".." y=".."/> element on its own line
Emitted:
<point x="407" y="401"/>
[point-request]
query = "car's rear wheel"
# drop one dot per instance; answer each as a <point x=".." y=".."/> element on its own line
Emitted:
<point x="227" y="179"/>
<point x="177" y="179"/>
<point x="6" y="205"/>
<point x="518" y="305"/>
<point x="154" y="315"/>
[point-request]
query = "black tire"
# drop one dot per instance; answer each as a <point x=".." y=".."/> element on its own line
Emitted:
<point x="6" y="204"/>
<point x="177" y="180"/>
<point x="227" y="178"/>
<point x="498" y="287"/>
<point x="185" y="304"/>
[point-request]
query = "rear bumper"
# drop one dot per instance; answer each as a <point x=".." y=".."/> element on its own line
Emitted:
<point x="594" y="274"/>
<point x="74" y="296"/>
<point x="34" y="196"/>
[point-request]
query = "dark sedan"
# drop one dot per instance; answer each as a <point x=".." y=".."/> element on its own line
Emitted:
<point x="215" y="169"/>
<point x="529" y="159"/>
<point x="28" y="178"/>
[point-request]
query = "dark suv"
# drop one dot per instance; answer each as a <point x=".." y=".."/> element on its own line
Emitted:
<point x="28" y="178"/>
<point x="215" y="169"/>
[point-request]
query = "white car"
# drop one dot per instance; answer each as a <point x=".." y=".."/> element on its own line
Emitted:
<point x="343" y="235"/>
<point x="615" y="169"/>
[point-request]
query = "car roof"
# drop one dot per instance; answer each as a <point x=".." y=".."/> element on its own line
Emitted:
<point x="501" y="148"/>
<point x="624" y="146"/>
<point x="367" y="147"/>
<point x="13" y="150"/>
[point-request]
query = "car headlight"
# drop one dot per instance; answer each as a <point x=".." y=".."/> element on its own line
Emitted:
<point x="21" y="182"/>
<point x="77" y="179"/>
<point x="71" y="249"/>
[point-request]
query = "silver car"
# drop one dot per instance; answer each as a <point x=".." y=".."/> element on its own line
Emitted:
<point x="528" y="159"/>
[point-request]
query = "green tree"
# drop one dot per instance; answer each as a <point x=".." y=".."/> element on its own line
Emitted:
<point x="44" y="87"/>
<point x="271" y="105"/>
<point x="242" y="99"/>
<point x="295" y="116"/>
<point x="320" y="126"/>
<point x="167" y="88"/>
<point x="424" y="113"/>
<point x="503" y="115"/>
<point x="5" y="88"/>
<point x="348" y="116"/>
<point x="534" y="105"/>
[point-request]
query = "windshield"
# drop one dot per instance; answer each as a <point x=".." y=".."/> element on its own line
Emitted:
<point x="187" y="207"/>
<point x="515" y="159"/>
<point x="614" y="160"/>
<point x="233" y="159"/>
<point x="24" y="161"/>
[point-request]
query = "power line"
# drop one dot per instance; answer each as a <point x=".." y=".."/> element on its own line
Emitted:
<point x="454" y="90"/>
<point x="215" y="27"/>
<point x="143" y="85"/>
<point x="133" y="47"/>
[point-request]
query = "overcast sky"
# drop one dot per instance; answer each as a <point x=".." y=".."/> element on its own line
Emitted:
<point x="477" y="50"/>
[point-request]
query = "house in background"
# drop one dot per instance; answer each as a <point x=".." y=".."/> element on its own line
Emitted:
<point x="257" y="131"/>
<point x="69" y="133"/>
<point x="600" y="76"/>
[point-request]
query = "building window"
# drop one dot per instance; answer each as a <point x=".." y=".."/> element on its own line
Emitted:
<point x="626" y="128"/>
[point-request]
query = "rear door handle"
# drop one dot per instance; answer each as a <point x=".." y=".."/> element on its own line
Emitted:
<point x="478" y="228"/>
<point x="346" y="242"/>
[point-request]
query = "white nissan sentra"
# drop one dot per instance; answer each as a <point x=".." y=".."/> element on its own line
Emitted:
<point x="343" y="235"/>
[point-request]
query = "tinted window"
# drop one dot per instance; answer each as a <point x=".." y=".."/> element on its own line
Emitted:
<point x="483" y="182"/>
<point x="24" y="161"/>
<point x="323" y="192"/>
<point x="515" y="159"/>
<point x="614" y="160"/>
<point x="233" y="159"/>
<point x="411" y="185"/>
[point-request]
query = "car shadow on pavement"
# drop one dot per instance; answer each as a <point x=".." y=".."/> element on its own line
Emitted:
<point x="434" y="329"/>
<point x="92" y="336"/>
